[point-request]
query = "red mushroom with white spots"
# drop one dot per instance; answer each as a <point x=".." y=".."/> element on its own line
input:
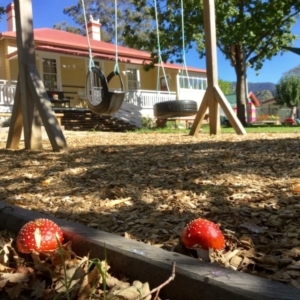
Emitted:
<point x="39" y="235"/>
<point x="203" y="234"/>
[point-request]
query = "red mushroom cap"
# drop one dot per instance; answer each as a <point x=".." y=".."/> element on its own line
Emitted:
<point x="201" y="233"/>
<point x="39" y="235"/>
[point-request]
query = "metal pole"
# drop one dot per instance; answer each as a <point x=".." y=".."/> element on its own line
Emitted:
<point x="246" y="90"/>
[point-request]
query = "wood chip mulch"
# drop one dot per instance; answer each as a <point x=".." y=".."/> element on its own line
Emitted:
<point x="149" y="186"/>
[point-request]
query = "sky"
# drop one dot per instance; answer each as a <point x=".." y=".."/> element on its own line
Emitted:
<point x="47" y="13"/>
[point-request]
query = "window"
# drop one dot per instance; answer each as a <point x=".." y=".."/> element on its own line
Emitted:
<point x="195" y="83"/>
<point x="133" y="80"/>
<point x="50" y="76"/>
<point x="165" y="83"/>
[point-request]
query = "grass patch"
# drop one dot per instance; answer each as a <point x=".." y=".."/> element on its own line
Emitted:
<point x="205" y="129"/>
<point x="264" y="129"/>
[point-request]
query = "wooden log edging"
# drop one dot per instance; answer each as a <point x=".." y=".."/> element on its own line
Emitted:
<point x="194" y="279"/>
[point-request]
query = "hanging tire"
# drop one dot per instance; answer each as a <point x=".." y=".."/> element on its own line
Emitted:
<point x="175" y="109"/>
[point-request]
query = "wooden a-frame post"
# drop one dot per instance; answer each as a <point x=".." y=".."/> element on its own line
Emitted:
<point x="31" y="104"/>
<point x="213" y="94"/>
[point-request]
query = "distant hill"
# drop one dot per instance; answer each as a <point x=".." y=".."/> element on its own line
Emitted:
<point x="262" y="90"/>
<point x="261" y="86"/>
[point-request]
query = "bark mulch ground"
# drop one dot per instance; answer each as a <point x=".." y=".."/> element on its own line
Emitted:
<point x="147" y="187"/>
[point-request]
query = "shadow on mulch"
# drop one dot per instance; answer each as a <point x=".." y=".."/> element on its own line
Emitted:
<point x="149" y="191"/>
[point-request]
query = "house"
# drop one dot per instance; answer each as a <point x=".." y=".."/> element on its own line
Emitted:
<point x="253" y="103"/>
<point x="62" y="60"/>
<point x="270" y="108"/>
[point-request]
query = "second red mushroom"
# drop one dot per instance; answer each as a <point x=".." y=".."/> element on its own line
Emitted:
<point x="204" y="234"/>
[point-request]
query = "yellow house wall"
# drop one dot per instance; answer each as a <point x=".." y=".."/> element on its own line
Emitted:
<point x="73" y="78"/>
<point x="11" y="66"/>
<point x="14" y="69"/>
<point x="148" y="79"/>
<point x="108" y="67"/>
<point x="172" y="83"/>
<point x="2" y="61"/>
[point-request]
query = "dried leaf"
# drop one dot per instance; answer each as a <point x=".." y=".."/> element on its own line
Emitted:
<point x="14" y="277"/>
<point x="252" y="227"/>
<point x="296" y="188"/>
<point x="38" y="289"/>
<point x="116" y="202"/>
<point x="15" y="291"/>
<point x="137" y="289"/>
<point x="47" y="181"/>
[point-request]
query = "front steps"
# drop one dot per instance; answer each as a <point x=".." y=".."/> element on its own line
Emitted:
<point x="84" y="120"/>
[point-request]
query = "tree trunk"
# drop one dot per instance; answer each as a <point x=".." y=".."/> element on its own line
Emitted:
<point x="240" y="71"/>
<point x="293" y="112"/>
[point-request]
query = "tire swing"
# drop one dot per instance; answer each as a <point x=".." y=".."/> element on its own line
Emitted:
<point x="173" y="108"/>
<point x="100" y="99"/>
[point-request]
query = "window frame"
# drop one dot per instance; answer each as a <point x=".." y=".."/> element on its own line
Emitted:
<point x="138" y="77"/>
<point x="55" y="57"/>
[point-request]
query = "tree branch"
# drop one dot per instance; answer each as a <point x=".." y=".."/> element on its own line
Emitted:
<point x="157" y="289"/>
<point x="268" y="32"/>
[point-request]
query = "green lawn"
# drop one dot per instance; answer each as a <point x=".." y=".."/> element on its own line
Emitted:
<point x="262" y="129"/>
<point x="205" y="129"/>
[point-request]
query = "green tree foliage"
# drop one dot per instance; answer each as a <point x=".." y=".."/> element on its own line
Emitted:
<point x="66" y="27"/>
<point x="226" y="86"/>
<point x="288" y="92"/>
<point x="248" y="32"/>
<point x="2" y="11"/>
<point x="104" y="10"/>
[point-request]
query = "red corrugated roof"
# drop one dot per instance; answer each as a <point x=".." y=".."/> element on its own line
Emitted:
<point x="255" y="101"/>
<point x="85" y="53"/>
<point x="66" y="42"/>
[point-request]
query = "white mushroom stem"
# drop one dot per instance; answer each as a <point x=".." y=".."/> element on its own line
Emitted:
<point x="204" y="254"/>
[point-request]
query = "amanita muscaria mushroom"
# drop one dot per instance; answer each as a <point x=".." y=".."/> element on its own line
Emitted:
<point x="204" y="234"/>
<point x="39" y="235"/>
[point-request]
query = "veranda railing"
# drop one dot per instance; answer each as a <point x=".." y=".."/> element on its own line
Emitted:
<point x="147" y="98"/>
<point x="144" y="99"/>
<point x="7" y="93"/>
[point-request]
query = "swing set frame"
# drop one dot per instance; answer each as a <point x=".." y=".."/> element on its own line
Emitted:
<point x="32" y="107"/>
<point x="213" y="95"/>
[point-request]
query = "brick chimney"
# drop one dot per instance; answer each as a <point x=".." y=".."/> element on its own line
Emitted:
<point x="94" y="29"/>
<point x="10" y="17"/>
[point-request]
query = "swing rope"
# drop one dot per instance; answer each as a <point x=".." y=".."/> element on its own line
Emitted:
<point x="116" y="68"/>
<point x="160" y="61"/>
<point x="183" y="46"/>
<point x="91" y="61"/>
<point x="100" y="99"/>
